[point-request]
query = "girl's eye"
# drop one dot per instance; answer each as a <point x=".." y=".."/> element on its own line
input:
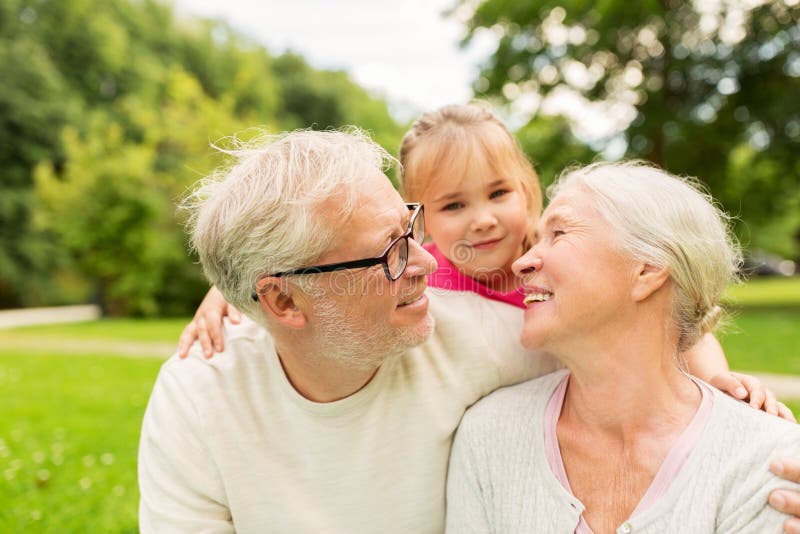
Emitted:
<point x="452" y="206"/>
<point x="499" y="193"/>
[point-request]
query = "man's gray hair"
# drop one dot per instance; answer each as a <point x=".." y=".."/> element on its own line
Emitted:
<point x="669" y="222"/>
<point x="264" y="214"/>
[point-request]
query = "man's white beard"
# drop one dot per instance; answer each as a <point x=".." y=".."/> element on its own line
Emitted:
<point x="359" y="345"/>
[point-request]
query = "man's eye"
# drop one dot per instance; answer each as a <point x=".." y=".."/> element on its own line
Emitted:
<point x="557" y="233"/>
<point x="499" y="193"/>
<point x="452" y="206"/>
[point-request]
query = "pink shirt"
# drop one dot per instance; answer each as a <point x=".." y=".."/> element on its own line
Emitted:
<point x="666" y="473"/>
<point x="448" y="277"/>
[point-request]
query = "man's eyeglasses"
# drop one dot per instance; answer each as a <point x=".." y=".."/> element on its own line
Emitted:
<point x="394" y="258"/>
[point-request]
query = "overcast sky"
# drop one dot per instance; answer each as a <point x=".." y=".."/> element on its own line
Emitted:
<point x="405" y="50"/>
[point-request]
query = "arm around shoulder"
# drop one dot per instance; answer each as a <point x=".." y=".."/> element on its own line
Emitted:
<point x="180" y="487"/>
<point x="751" y="511"/>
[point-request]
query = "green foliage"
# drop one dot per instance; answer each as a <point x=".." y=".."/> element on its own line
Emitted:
<point x="32" y="109"/>
<point x="551" y="146"/>
<point x="706" y="89"/>
<point x="106" y="116"/>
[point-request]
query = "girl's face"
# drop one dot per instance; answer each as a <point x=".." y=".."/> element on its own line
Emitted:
<point x="479" y="224"/>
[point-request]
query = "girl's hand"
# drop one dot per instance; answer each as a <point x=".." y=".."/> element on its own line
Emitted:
<point x="207" y="325"/>
<point x="750" y="389"/>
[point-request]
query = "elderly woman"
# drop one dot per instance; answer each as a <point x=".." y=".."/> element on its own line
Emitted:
<point x="627" y="272"/>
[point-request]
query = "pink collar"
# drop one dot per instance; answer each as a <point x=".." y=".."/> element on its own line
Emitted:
<point x="447" y="276"/>
<point x="670" y="467"/>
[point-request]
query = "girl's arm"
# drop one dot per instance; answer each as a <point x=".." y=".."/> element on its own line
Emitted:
<point x="706" y="360"/>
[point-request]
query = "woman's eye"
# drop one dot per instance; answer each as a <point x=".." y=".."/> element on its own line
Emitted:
<point x="498" y="193"/>
<point x="557" y="233"/>
<point x="452" y="206"/>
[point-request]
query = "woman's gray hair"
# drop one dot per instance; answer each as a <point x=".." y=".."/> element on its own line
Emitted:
<point x="669" y="222"/>
<point x="271" y="210"/>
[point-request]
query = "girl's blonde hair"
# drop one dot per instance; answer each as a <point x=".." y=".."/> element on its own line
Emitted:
<point x="457" y="139"/>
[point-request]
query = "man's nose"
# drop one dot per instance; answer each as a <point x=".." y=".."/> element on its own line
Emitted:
<point x="420" y="261"/>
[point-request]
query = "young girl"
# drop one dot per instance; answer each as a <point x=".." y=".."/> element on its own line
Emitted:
<point x="482" y="200"/>
<point x="481" y="197"/>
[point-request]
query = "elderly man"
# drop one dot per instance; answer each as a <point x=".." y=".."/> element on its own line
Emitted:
<point x="339" y="416"/>
<point x="341" y="419"/>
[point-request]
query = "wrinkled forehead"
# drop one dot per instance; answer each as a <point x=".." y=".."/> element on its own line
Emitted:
<point x="573" y="205"/>
<point x="566" y="201"/>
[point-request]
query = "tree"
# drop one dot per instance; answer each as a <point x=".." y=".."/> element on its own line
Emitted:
<point x="707" y="88"/>
<point x="107" y="112"/>
<point x="32" y="110"/>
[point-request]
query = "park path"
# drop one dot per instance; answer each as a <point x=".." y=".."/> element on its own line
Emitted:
<point x="72" y="314"/>
<point x="57" y="314"/>
<point x="784" y="386"/>
<point x="93" y="347"/>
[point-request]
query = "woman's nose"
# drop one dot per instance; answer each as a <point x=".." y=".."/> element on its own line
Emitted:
<point x="527" y="264"/>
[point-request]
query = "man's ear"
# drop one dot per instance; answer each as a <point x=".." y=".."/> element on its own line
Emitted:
<point x="276" y="298"/>
<point x="647" y="280"/>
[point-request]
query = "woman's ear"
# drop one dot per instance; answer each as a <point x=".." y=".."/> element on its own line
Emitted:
<point x="277" y="301"/>
<point x="647" y="280"/>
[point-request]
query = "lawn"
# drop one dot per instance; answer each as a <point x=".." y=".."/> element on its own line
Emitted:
<point x="150" y="330"/>
<point x="69" y="426"/>
<point x="69" y="433"/>
<point x="766" y="340"/>
<point x="763" y="330"/>
<point x="766" y="292"/>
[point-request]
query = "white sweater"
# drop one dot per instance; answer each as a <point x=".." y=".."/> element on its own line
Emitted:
<point x="228" y="444"/>
<point x="499" y="479"/>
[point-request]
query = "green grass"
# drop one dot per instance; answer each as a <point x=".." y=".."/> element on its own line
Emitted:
<point x="69" y="434"/>
<point x="794" y="405"/>
<point x="163" y="330"/>
<point x="763" y="333"/>
<point x="766" y="292"/>
<point x="766" y="340"/>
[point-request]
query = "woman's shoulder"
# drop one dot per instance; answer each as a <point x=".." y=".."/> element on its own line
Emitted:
<point x="751" y="426"/>
<point x="738" y="445"/>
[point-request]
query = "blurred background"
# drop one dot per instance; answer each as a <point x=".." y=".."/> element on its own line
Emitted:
<point x="108" y="109"/>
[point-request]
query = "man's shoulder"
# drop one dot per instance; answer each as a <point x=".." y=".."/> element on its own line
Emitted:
<point x="466" y="320"/>
<point x="512" y="405"/>
<point x="246" y="346"/>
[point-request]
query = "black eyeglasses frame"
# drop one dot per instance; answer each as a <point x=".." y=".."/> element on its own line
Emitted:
<point x="416" y="209"/>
